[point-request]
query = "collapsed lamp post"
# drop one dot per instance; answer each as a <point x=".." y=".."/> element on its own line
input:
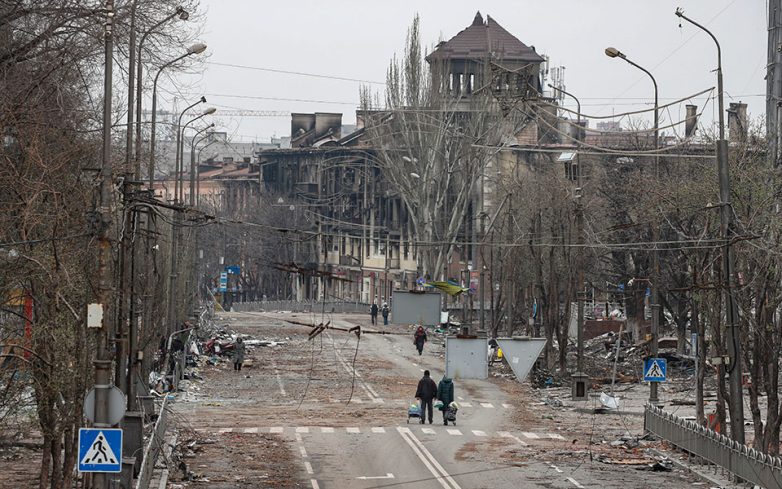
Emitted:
<point x="655" y="300"/>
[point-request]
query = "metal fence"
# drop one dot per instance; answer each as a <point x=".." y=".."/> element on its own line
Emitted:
<point x="744" y="462"/>
<point x="153" y="448"/>
<point x="303" y="306"/>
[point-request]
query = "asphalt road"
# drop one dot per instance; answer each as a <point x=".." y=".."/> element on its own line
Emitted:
<point x="368" y="443"/>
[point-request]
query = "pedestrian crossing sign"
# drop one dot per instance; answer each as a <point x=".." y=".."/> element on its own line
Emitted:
<point x="100" y="450"/>
<point x="655" y="369"/>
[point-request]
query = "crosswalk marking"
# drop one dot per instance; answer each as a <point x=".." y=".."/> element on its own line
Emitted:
<point x="466" y="404"/>
<point x="506" y="405"/>
<point x="487" y="405"/>
<point x="358" y="400"/>
<point x="379" y="430"/>
<point x="505" y="434"/>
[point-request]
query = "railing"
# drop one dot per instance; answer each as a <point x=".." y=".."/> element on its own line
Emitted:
<point x="744" y="462"/>
<point x="303" y="306"/>
<point x="153" y="448"/>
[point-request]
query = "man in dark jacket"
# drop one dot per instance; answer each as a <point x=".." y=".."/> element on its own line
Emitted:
<point x="426" y="392"/>
<point x="445" y="394"/>
<point x="373" y="313"/>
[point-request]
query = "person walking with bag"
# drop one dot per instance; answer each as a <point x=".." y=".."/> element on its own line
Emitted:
<point x="445" y="394"/>
<point x="426" y="393"/>
<point x="373" y="313"/>
<point x="385" y="312"/>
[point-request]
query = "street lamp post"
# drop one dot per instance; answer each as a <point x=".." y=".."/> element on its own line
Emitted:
<point x="726" y="216"/>
<point x="178" y="153"/>
<point x="183" y="15"/>
<point x="180" y="167"/>
<point x="579" y="378"/>
<point x="193" y="144"/>
<point x="194" y="49"/>
<point x="615" y="53"/>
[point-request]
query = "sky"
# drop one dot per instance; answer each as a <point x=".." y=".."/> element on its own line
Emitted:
<point x="355" y="39"/>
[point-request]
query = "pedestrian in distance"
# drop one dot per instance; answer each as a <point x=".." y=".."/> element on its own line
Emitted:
<point x="445" y="394"/>
<point x="373" y="312"/>
<point x="419" y="339"/>
<point x="385" y="312"/>
<point x="426" y="393"/>
<point x="238" y="354"/>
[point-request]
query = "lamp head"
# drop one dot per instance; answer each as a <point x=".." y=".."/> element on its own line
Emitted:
<point x="196" y="48"/>
<point x="203" y="99"/>
<point x="614" y="53"/>
<point x="679" y="12"/>
<point x="183" y="14"/>
<point x="210" y="110"/>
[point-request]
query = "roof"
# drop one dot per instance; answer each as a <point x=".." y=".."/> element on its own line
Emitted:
<point x="485" y="39"/>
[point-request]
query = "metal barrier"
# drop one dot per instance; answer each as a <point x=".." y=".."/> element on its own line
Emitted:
<point x="303" y="306"/>
<point x="153" y="448"/>
<point x="742" y="461"/>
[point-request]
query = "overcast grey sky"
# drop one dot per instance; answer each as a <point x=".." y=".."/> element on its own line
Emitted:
<point x="356" y="39"/>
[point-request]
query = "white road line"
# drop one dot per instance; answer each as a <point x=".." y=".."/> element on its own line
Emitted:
<point x="429" y="431"/>
<point x="556" y="436"/>
<point x="225" y="430"/>
<point x="421" y="369"/>
<point x="575" y="483"/>
<point x="531" y="436"/>
<point x="506" y="434"/>
<point x="327" y="429"/>
<point x="466" y="404"/>
<point x="308" y="466"/>
<point x="378" y="430"/>
<point x="353" y="430"/>
<point x="358" y="400"/>
<point x="276" y="429"/>
<point x="478" y="433"/>
<point x="559" y="471"/>
<point x="279" y="379"/>
<point x="314" y="484"/>
<point x="303" y="452"/>
<point x="298" y="437"/>
<point x="251" y="430"/>
<point x="487" y="405"/>
<point x="454" y="432"/>
<point x="429" y="461"/>
<point x="506" y="405"/>
<point x="302" y="429"/>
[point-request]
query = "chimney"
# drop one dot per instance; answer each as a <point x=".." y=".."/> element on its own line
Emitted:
<point x="737" y="122"/>
<point x="691" y="121"/>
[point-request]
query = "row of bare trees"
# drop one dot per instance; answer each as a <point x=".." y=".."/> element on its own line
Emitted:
<point x="50" y="125"/>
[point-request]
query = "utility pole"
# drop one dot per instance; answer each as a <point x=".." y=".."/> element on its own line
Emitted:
<point x="774" y="83"/>
<point x="103" y="360"/>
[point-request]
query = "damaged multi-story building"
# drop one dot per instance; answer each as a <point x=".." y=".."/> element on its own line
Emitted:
<point x="366" y="238"/>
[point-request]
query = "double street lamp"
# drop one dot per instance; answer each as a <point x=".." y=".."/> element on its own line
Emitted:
<point x="655" y="302"/>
